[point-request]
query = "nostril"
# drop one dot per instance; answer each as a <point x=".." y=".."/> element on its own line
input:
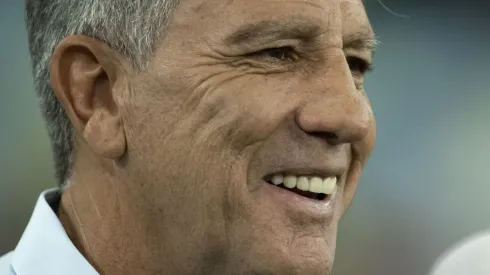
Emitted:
<point x="330" y="137"/>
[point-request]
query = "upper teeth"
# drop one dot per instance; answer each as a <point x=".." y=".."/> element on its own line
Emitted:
<point x="313" y="184"/>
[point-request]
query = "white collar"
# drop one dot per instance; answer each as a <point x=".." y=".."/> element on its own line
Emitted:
<point x="45" y="248"/>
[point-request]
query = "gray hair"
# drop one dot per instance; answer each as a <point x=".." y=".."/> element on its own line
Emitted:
<point x="131" y="27"/>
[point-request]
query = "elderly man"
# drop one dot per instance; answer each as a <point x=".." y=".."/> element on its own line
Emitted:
<point x="197" y="137"/>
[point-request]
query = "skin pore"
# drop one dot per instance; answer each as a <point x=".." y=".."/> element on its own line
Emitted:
<point x="170" y="162"/>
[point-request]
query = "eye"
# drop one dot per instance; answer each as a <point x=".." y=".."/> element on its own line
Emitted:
<point x="359" y="65"/>
<point x="282" y="54"/>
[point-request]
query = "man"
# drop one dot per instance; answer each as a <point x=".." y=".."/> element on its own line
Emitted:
<point x="197" y="137"/>
<point x="468" y="257"/>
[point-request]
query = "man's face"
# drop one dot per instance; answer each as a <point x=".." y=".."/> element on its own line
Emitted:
<point x="239" y="93"/>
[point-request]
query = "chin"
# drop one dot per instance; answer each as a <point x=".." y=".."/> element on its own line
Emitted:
<point x="311" y="258"/>
<point x="303" y="256"/>
<point x="304" y="267"/>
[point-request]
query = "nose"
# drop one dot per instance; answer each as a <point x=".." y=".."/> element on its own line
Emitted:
<point x="333" y="108"/>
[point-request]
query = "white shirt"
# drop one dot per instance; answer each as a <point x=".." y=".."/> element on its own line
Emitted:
<point x="45" y="248"/>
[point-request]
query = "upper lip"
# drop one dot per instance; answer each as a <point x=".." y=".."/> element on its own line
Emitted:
<point x="322" y="172"/>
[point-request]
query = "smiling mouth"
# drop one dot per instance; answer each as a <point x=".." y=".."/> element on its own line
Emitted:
<point x="311" y="187"/>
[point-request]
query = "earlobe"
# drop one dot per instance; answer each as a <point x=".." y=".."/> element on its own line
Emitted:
<point x="85" y="77"/>
<point x="105" y="135"/>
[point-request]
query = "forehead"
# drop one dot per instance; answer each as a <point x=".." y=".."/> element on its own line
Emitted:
<point x="339" y="16"/>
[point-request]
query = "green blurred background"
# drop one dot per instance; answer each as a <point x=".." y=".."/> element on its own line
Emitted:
<point x="426" y="185"/>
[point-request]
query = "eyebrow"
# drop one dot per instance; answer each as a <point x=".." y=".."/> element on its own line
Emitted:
<point x="361" y="41"/>
<point x="296" y="28"/>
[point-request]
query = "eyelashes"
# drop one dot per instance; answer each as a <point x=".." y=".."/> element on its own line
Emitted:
<point x="288" y="54"/>
<point x="359" y="65"/>
<point x="281" y="54"/>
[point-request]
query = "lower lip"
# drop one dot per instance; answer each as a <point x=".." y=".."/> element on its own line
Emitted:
<point x="294" y="203"/>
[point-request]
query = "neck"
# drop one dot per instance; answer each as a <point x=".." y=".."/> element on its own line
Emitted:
<point x="118" y="232"/>
<point x="95" y="211"/>
<point x="91" y="217"/>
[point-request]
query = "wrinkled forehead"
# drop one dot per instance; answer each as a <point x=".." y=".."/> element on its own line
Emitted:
<point x="331" y="14"/>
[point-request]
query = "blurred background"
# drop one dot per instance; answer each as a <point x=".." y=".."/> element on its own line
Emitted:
<point x="425" y="187"/>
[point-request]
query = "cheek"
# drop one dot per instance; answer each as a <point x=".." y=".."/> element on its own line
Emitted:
<point x="370" y="141"/>
<point x="251" y="109"/>
<point x="177" y="147"/>
<point x="173" y="178"/>
<point x="361" y="153"/>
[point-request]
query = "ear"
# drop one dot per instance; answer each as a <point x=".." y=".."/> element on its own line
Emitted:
<point x="86" y="76"/>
